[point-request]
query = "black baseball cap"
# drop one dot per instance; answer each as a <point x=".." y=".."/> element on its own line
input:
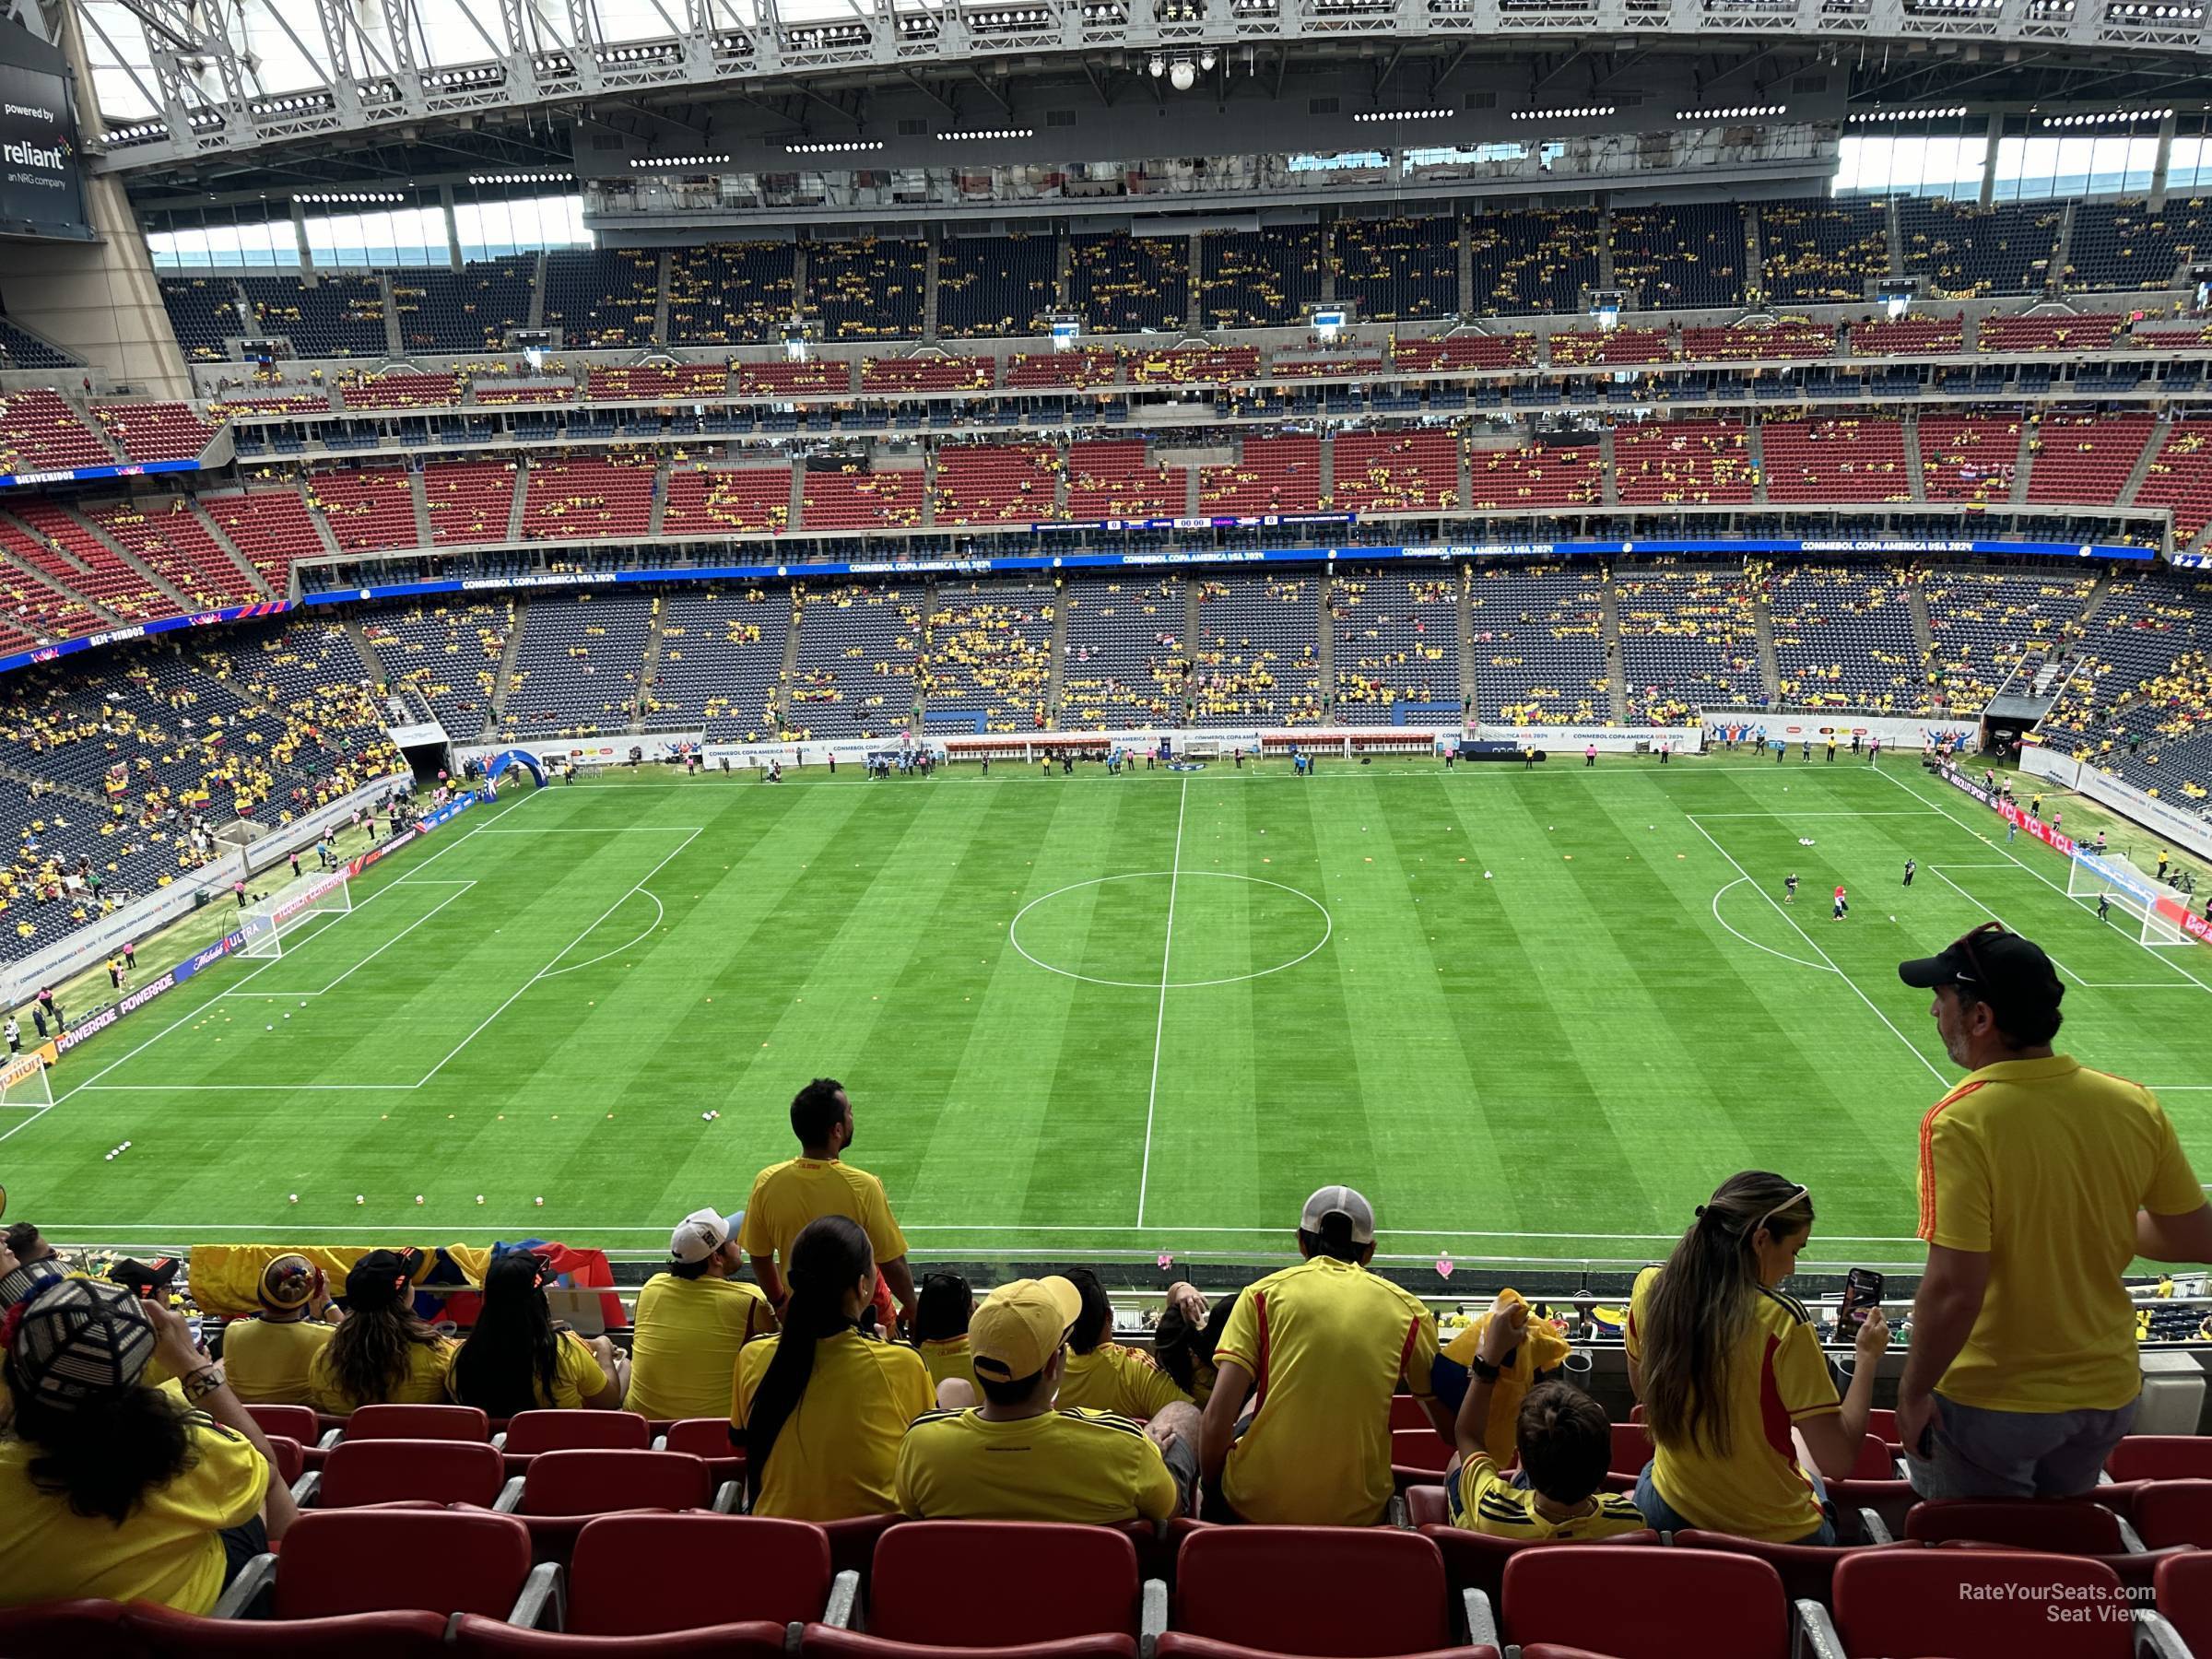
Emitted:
<point x="2009" y="972"/>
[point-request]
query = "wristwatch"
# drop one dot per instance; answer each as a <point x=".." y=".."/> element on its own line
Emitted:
<point x="1479" y="1367"/>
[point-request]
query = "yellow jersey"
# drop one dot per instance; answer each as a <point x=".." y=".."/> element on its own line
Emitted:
<point x="266" y="1360"/>
<point x="1090" y="1467"/>
<point x="1776" y="1378"/>
<point x="838" y="1450"/>
<point x="786" y="1197"/>
<point x="168" y="1550"/>
<point x="424" y="1383"/>
<point x="1481" y="1500"/>
<point x="684" y="1343"/>
<point x="1123" y="1381"/>
<point x="1326" y="1343"/>
<point x="2041" y="1165"/>
<point x="947" y="1357"/>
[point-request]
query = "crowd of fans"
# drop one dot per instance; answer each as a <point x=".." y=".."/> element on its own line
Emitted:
<point x="133" y="1468"/>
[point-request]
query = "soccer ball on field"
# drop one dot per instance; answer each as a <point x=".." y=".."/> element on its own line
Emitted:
<point x="540" y="1202"/>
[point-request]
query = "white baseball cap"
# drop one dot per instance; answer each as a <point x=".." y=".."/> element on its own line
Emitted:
<point x="702" y="1232"/>
<point x="1340" y="1200"/>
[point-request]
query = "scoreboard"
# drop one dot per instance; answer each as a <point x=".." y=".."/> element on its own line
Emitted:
<point x="42" y="193"/>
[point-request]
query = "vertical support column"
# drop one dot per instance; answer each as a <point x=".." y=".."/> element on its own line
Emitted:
<point x="1989" y="160"/>
<point x="307" y="258"/>
<point x="453" y="229"/>
<point x="2159" y="167"/>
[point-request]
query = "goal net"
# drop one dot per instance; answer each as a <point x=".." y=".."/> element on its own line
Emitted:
<point x="267" y="921"/>
<point x="23" y="1082"/>
<point x="2110" y="878"/>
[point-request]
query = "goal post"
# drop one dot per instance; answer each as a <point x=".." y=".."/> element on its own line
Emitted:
<point x="2092" y="876"/>
<point x="266" y="920"/>
<point x="23" y="1082"/>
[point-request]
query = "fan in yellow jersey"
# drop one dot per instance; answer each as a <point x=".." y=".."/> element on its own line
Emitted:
<point x="692" y="1321"/>
<point x="1017" y="1458"/>
<point x="1323" y="1346"/>
<point x="268" y="1356"/>
<point x="823" y="1405"/>
<point x="2040" y="1180"/>
<point x="942" y="1311"/>
<point x="1731" y="1374"/>
<point x="786" y="1197"/>
<point x="1565" y="1443"/>
<point x="384" y="1354"/>
<point x="1107" y="1376"/>
<point x="114" y="1489"/>
<point x="1531" y="1359"/>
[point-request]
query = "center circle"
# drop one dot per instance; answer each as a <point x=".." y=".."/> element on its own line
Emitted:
<point x="1228" y="927"/>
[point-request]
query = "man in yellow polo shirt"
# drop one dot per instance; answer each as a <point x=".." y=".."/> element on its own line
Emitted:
<point x="1323" y="1344"/>
<point x="816" y="1183"/>
<point x="691" y="1321"/>
<point x="2040" y="1182"/>
<point x="1017" y="1458"/>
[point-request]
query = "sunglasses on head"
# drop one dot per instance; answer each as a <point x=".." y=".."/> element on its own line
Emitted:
<point x="1964" y="944"/>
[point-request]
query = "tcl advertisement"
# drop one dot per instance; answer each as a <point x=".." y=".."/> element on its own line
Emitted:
<point x="39" y="191"/>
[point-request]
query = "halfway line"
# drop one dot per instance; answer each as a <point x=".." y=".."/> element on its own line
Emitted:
<point x="1160" y="1026"/>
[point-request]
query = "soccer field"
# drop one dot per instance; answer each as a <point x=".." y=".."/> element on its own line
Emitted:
<point x="1093" y="1014"/>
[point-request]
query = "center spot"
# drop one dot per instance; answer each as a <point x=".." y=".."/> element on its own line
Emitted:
<point x="1112" y="930"/>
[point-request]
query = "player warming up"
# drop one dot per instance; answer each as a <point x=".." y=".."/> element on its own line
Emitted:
<point x="1788" y="887"/>
<point x="1910" y="867"/>
<point x="1842" y="907"/>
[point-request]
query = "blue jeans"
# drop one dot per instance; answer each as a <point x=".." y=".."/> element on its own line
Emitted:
<point x="1662" y="1517"/>
<point x="1982" y="1454"/>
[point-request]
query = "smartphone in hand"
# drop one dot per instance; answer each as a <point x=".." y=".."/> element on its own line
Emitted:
<point x="1862" y="1295"/>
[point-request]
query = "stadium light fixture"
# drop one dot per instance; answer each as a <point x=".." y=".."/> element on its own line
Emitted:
<point x="844" y="147"/>
<point x="1205" y="60"/>
<point x="1740" y="113"/>
<point x="1159" y="66"/>
<point x="1183" y="74"/>
<point x="995" y="134"/>
<point x="1584" y="112"/>
<point x="1374" y="115"/>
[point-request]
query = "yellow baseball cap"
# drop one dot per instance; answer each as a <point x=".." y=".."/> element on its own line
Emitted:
<point x="1021" y="1326"/>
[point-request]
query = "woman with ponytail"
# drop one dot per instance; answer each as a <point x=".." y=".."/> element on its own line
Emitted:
<point x="822" y="1407"/>
<point x="1732" y="1378"/>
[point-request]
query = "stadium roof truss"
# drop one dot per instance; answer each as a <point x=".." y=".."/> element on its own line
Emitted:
<point x="177" y="80"/>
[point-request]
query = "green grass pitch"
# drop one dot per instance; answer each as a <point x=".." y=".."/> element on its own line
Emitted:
<point x="1224" y="988"/>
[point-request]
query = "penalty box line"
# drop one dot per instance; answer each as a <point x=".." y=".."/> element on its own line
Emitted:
<point x="93" y="1084"/>
<point x="1872" y="1006"/>
<point x="462" y="883"/>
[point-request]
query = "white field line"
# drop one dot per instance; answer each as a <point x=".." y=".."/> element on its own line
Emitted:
<point x="1160" y="1026"/>
<point x="435" y="881"/>
<point x="1822" y="954"/>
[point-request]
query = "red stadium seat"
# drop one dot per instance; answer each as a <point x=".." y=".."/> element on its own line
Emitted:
<point x="1875" y="1461"/>
<point x="1807" y="1571"/>
<point x="2168" y="1513"/>
<point x="364" y="1581"/>
<point x="169" y="1635"/>
<point x="1608" y="1600"/>
<point x="1053" y="1593"/>
<point x="1475" y="1560"/>
<point x="853" y="1541"/>
<point x="291" y="1457"/>
<point x="2183" y="1587"/>
<point x="1968" y="1604"/>
<point x="1631" y="1449"/>
<point x="2069" y="1526"/>
<point x="2063" y="1526"/>
<point x="1405" y="1412"/>
<point x="1421" y="1451"/>
<point x="490" y="1639"/>
<point x="418" y="1423"/>
<point x="1245" y="1590"/>
<point x="530" y="1432"/>
<point x="298" y="1422"/>
<point x="2162" y="1458"/>
<point x="83" y="1629"/>
<point x="696" y="1583"/>
<point x="360" y="1472"/>
<point x="708" y="1437"/>
<point x="1428" y="1505"/>
<point x="565" y="1489"/>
